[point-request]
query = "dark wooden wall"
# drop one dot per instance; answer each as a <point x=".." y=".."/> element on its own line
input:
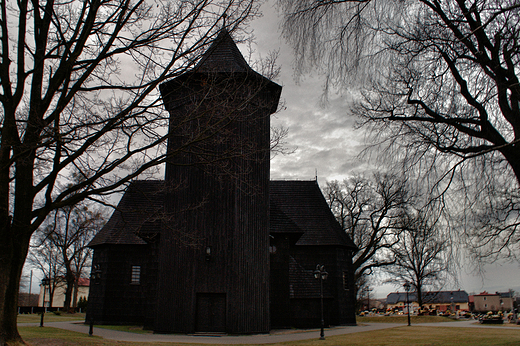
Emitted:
<point x="220" y="203"/>
<point x="299" y="305"/>
<point x="281" y="316"/>
<point x="114" y="300"/>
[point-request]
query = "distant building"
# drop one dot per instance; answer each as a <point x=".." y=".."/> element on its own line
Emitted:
<point x="498" y="301"/>
<point x="58" y="299"/>
<point x="27" y="300"/>
<point x="216" y="246"/>
<point x="371" y="303"/>
<point x="440" y="301"/>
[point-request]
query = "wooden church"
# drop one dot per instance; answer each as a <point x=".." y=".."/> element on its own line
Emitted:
<point x="216" y="246"/>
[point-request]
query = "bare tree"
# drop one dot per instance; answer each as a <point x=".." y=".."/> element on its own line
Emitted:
<point x="421" y="255"/>
<point x="69" y="231"/>
<point x="368" y="210"/>
<point x="60" y="248"/>
<point x="440" y="92"/>
<point x="47" y="260"/>
<point x="79" y="92"/>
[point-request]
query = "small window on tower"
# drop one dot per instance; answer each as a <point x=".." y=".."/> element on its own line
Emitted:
<point x="136" y="275"/>
<point x="345" y="281"/>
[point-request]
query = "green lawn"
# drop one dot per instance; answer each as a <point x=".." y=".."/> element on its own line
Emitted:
<point x="50" y="317"/>
<point x="414" y="336"/>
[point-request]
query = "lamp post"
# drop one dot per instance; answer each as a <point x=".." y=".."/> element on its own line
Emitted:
<point x="45" y="282"/>
<point x="95" y="276"/>
<point x="321" y="275"/>
<point x="407" y="289"/>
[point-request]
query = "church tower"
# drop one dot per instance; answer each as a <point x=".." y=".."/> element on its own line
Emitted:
<point x="213" y="271"/>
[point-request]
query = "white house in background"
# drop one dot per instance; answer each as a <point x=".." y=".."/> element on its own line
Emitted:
<point x="58" y="299"/>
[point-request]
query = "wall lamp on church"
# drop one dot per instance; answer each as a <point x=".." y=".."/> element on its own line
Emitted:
<point x="207" y="253"/>
<point x="321" y="275"/>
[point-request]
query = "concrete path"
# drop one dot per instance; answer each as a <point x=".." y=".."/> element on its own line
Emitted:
<point x="276" y="336"/>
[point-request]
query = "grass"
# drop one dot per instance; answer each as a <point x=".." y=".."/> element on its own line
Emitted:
<point x="423" y="336"/>
<point x="50" y="317"/>
<point x="414" y="336"/>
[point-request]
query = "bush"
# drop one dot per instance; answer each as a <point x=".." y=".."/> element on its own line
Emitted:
<point x="82" y="303"/>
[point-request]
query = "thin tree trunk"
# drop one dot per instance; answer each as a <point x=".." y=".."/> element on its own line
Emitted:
<point x="419" y="296"/>
<point x="69" y="281"/>
<point x="75" y="295"/>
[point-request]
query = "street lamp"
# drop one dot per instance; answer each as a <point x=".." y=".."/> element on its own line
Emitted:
<point x="407" y="289"/>
<point x="321" y="275"/>
<point x="95" y="276"/>
<point x="45" y="282"/>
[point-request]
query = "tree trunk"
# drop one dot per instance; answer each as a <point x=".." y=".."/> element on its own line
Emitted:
<point x="75" y="295"/>
<point x="512" y="155"/>
<point x="15" y="236"/>
<point x="419" y="295"/>
<point x="69" y="281"/>
<point x="13" y="250"/>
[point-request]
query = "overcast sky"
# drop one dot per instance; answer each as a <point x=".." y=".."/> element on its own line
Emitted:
<point x="326" y="143"/>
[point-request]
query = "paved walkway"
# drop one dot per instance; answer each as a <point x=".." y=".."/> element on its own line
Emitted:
<point x="275" y="336"/>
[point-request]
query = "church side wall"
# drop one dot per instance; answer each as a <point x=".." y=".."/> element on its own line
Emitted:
<point x="123" y="296"/>
<point x="338" y="303"/>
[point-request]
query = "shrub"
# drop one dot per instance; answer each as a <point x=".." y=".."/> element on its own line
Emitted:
<point x="82" y="303"/>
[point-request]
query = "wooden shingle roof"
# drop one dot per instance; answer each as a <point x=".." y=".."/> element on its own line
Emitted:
<point x="223" y="56"/>
<point x="296" y="207"/>
<point x="139" y="212"/>
<point x="304" y="205"/>
<point x="222" y="59"/>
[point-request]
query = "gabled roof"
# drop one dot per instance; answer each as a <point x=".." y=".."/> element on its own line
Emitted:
<point x="83" y="282"/>
<point x="303" y="204"/>
<point x="505" y="294"/>
<point x="139" y="211"/>
<point x="296" y="207"/>
<point x="281" y="223"/>
<point x="435" y="297"/>
<point x="395" y="297"/>
<point x="501" y="294"/>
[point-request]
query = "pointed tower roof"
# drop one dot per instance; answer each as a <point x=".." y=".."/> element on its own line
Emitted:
<point x="223" y="56"/>
<point x="222" y="59"/>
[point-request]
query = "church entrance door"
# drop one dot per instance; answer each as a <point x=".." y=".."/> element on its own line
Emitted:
<point x="211" y="312"/>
